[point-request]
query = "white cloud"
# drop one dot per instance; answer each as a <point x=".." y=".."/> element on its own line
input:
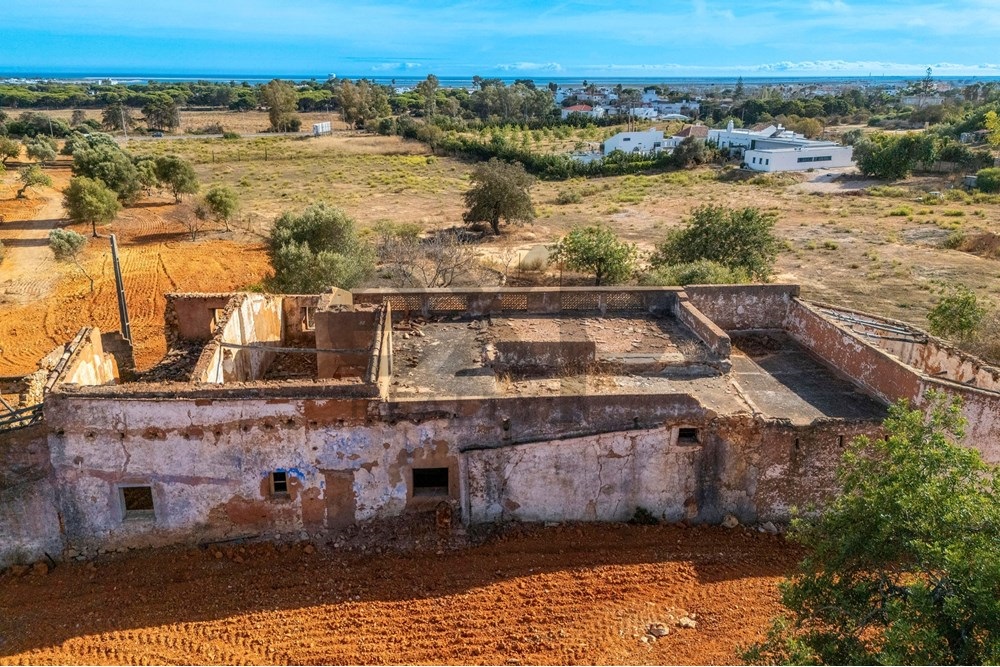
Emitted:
<point x="523" y="67"/>
<point x="838" y="6"/>
<point x="388" y="67"/>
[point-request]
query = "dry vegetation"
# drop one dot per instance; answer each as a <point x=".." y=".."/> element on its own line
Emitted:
<point x="888" y="249"/>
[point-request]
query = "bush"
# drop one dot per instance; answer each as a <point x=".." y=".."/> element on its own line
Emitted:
<point x="230" y="136"/>
<point x="595" y="249"/>
<point x="568" y="197"/>
<point x="701" y="272"/>
<point x="988" y="180"/>
<point x="739" y="239"/>
<point x="316" y="250"/>
<point x="958" y="314"/>
<point x="901" y="566"/>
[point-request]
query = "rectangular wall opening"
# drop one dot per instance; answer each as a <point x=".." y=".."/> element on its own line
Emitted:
<point x="430" y="481"/>
<point x="687" y="436"/>
<point x="279" y="483"/>
<point x="137" y="502"/>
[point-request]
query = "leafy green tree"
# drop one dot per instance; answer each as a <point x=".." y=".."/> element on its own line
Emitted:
<point x="362" y="102"/>
<point x="500" y="191"/>
<point x="67" y="246"/>
<point x="281" y="100"/>
<point x="112" y="166"/>
<point x="317" y="249"/>
<point x="41" y="148"/>
<point x="117" y="116"/>
<point x="78" y="117"/>
<point x="88" y="200"/>
<point x="32" y="176"/>
<point x="161" y="113"/>
<point x="222" y="203"/>
<point x="428" y="88"/>
<point x="991" y="123"/>
<point x="177" y="174"/>
<point x="701" y="272"/>
<point x="988" y="180"/>
<point x="958" y="314"/>
<point x="904" y="566"/>
<point x="596" y="249"/>
<point x="9" y="149"/>
<point x="893" y="156"/>
<point x="691" y="151"/>
<point x="740" y="239"/>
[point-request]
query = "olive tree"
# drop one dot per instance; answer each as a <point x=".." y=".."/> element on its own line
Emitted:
<point x="177" y="174"/>
<point x="596" y="249"/>
<point x="88" y="200"/>
<point x="67" y="245"/>
<point x="222" y="203"/>
<point x="315" y="250"/>
<point x="32" y="176"/>
<point x="740" y="239"/>
<point x="500" y="191"/>
<point x="903" y="567"/>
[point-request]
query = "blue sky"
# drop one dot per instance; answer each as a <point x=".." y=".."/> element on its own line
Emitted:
<point x="576" y="39"/>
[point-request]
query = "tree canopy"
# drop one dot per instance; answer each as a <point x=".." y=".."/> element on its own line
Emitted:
<point x="500" y="191"/>
<point x="177" y="174"/>
<point x="317" y="249"/>
<point x="88" y="200"/>
<point x="596" y="249"/>
<point x="281" y="100"/>
<point x="740" y="239"/>
<point x="904" y="566"/>
<point x="32" y="176"/>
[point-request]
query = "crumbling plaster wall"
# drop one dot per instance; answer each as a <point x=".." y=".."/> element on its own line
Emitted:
<point x="739" y="307"/>
<point x="29" y="522"/>
<point x="249" y="319"/>
<point x="89" y="365"/>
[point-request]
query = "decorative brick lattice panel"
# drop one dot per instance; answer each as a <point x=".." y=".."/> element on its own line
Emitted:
<point x="514" y="302"/>
<point x="624" y="301"/>
<point x="579" y="301"/>
<point x="449" y="302"/>
<point x="405" y="302"/>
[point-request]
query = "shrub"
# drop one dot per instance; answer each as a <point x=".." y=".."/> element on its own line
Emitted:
<point x="597" y="250"/>
<point x="988" y="180"/>
<point x="316" y="250"/>
<point x="701" y="272"/>
<point x="568" y="197"/>
<point x="958" y="314"/>
<point x="230" y="136"/>
<point x="739" y="239"/>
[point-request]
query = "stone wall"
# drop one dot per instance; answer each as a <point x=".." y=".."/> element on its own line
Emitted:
<point x="88" y="364"/>
<point x="29" y="521"/>
<point x="740" y="307"/>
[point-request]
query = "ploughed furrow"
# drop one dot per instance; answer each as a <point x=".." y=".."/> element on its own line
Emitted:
<point x="566" y="595"/>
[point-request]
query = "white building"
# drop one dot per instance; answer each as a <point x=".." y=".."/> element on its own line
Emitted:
<point x="796" y="155"/>
<point x="648" y="141"/>
<point x="584" y="109"/>
<point x="741" y="139"/>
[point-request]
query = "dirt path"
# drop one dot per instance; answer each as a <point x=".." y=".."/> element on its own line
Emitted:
<point x="29" y="272"/>
<point x="565" y="595"/>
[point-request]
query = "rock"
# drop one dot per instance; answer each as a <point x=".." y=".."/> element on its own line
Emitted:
<point x="687" y="622"/>
<point x="730" y="521"/>
<point x="40" y="568"/>
<point x="647" y="639"/>
<point x="657" y="630"/>
<point x="217" y="554"/>
<point x="768" y="528"/>
<point x="309" y="549"/>
<point x="72" y="553"/>
<point x="19" y="570"/>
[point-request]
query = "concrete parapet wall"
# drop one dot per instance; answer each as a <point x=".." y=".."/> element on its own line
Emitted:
<point x="249" y="319"/>
<point x="543" y="357"/>
<point x="88" y="365"/>
<point x="705" y="329"/>
<point x="737" y="307"/>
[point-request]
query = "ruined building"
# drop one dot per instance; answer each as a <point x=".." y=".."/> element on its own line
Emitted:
<point x="276" y="414"/>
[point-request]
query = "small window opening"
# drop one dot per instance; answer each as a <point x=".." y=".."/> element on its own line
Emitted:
<point x="137" y="501"/>
<point x="430" y="481"/>
<point x="308" y="321"/>
<point x="796" y="444"/>
<point x="279" y="483"/>
<point x="687" y="435"/>
<point x="840" y="441"/>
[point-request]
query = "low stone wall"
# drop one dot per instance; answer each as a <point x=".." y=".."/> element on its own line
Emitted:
<point x="705" y="329"/>
<point x="522" y="357"/>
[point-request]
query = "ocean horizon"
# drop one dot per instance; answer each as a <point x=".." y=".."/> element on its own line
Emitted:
<point x="465" y="81"/>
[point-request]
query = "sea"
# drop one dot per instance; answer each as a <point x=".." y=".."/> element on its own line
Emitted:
<point x="404" y="82"/>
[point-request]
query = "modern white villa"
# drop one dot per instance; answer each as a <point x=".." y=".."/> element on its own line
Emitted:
<point x="797" y="155"/>
<point x="647" y="141"/>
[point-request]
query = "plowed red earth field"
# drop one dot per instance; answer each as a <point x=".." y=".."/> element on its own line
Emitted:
<point x="558" y="595"/>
